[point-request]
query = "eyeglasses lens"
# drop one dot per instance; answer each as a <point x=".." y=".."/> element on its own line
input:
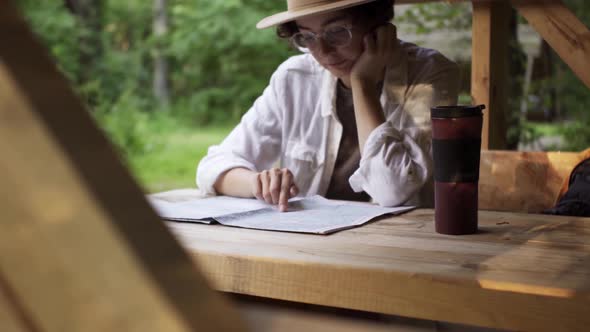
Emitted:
<point x="334" y="36"/>
<point x="337" y="36"/>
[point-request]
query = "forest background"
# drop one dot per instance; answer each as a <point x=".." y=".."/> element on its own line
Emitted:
<point x="165" y="79"/>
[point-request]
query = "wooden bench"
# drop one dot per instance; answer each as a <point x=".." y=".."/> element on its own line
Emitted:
<point x="523" y="181"/>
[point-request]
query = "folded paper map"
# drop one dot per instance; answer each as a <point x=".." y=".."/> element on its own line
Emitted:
<point x="314" y="214"/>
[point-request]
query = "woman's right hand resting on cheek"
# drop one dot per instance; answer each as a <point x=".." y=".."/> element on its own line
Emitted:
<point x="274" y="186"/>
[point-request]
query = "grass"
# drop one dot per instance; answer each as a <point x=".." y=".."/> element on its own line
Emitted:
<point x="173" y="155"/>
<point x="546" y="129"/>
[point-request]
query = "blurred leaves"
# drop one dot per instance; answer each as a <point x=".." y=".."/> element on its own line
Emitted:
<point x="218" y="61"/>
<point x="426" y="18"/>
<point x="573" y="97"/>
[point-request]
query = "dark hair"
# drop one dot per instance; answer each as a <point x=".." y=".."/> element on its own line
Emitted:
<point x="376" y="12"/>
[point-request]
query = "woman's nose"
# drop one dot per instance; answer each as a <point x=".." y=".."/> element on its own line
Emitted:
<point x="323" y="47"/>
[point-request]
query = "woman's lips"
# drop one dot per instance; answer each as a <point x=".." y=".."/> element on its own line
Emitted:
<point x="338" y="64"/>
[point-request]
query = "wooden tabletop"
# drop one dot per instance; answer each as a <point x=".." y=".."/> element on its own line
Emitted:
<point x="521" y="272"/>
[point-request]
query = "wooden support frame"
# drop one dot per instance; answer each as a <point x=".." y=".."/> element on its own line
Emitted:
<point x="80" y="247"/>
<point x="490" y="69"/>
<point x="564" y="32"/>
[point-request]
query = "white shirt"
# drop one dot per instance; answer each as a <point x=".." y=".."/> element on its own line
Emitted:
<point x="295" y="122"/>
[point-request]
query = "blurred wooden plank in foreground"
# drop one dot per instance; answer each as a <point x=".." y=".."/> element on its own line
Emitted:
<point x="80" y="247"/>
<point x="11" y="318"/>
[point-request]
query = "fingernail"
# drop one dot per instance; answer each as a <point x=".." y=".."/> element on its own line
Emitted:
<point x="283" y="207"/>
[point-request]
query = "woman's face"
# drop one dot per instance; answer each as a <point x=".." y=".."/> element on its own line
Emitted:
<point x="336" y="59"/>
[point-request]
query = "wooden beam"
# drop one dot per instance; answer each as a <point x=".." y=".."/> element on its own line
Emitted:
<point x="564" y="32"/>
<point x="489" y="74"/>
<point x="80" y="247"/>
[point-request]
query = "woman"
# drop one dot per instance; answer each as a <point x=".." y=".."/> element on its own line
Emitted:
<point x="349" y="119"/>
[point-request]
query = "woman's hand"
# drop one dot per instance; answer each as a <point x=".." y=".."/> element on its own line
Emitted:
<point x="379" y="45"/>
<point x="274" y="186"/>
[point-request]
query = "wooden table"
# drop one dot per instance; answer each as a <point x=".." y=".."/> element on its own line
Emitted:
<point x="521" y="272"/>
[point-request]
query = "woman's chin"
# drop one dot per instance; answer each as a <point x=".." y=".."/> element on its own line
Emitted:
<point x="342" y="74"/>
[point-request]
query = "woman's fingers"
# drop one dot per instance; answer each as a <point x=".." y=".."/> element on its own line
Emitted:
<point x="286" y="183"/>
<point x="265" y="182"/>
<point x="294" y="191"/>
<point x="379" y="45"/>
<point x="386" y="36"/>
<point x="391" y="38"/>
<point x="382" y="36"/>
<point x="370" y="42"/>
<point x="275" y="184"/>
<point x="257" y="186"/>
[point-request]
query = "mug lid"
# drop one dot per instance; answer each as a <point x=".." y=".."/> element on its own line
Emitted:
<point x="456" y="111"/>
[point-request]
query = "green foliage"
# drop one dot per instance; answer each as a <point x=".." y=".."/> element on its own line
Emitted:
<point x="175" y="155"/>
<point x="162" y="151"/>
<point x="576" y="102"/>
<point x="218" y="61"/>
<point x="126" y="125"/>
<point x="218" y="64"/>
<point x="426" y="18"/>
<point x="573" y="97"/>
<point x="221" y="62"/>
<point x="59" y="31"/>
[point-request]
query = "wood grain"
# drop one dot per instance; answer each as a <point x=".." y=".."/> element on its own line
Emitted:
<point x="521" y="272"/>
<point x="566" y="34"/>
<point x="523" y="181"/>
<point x="80" y="247"/>
<point x="489" y="69"/>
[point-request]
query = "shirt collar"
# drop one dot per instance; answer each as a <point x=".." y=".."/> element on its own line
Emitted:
<point x="328" y="101"/>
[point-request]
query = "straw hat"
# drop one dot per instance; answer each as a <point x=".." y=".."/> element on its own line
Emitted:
<point x="301" y="8"/>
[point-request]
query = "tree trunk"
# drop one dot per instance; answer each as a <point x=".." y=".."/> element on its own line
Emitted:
<point x="89" y="13"/>
<point x="160" y="27"/>
<point x="517" y="63"/>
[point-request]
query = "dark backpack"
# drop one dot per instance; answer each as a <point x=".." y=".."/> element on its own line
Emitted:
<point x="576" y="200"/>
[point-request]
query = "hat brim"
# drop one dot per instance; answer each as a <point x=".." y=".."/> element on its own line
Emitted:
<point x="292" y="15"/>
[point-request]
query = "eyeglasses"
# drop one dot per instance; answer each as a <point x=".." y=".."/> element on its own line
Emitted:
<point x="335" y="36"/>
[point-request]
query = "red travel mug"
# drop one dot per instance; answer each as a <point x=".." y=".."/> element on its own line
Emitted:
<point x="456" y="148"/>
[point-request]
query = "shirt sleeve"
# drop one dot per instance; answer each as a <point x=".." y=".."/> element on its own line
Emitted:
<point x="396" y="163"/>
<point x="254" y="143"/>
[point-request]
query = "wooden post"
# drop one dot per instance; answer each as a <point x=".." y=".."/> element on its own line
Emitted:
<point x="80" y="247"/>
<point x="489" y="75"/>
